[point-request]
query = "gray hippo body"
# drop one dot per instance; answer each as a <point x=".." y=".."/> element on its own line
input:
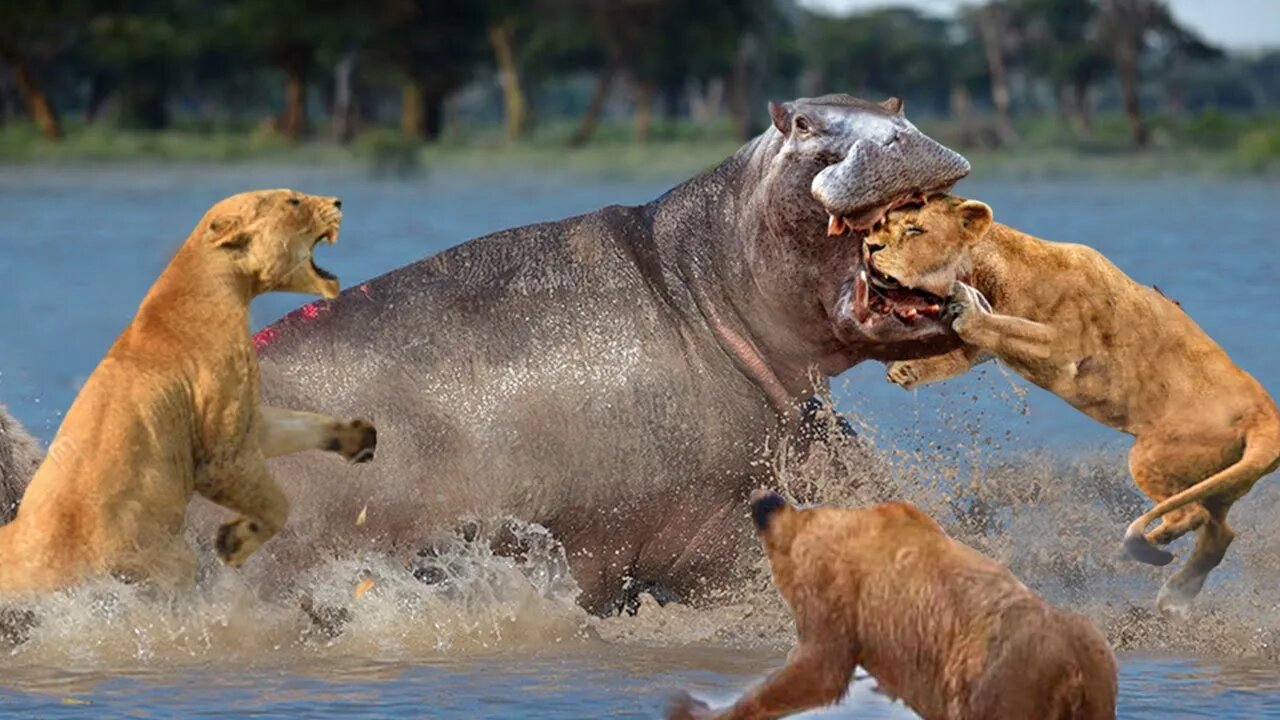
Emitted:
<point x="575" y="373"/>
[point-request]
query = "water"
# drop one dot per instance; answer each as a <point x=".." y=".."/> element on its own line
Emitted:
<point x="80" y="247"/>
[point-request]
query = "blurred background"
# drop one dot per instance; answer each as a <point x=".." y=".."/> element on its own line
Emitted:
<point x="651" y="81"/>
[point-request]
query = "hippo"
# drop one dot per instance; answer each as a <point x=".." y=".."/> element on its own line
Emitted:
<point x="580" y="374"/>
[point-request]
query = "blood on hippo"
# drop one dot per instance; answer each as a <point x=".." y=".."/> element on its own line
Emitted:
<point x="310" y="311"/>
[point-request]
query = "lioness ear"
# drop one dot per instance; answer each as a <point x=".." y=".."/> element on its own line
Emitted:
<point x="975" y="217"/>
<point x="233" y="241"/>
<point x="221" y="232"/>
<point x="893" y="105"/>
<point x="781" y="114"/>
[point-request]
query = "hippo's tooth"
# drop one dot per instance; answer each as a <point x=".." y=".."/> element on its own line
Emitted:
<point x="835" y="225"/>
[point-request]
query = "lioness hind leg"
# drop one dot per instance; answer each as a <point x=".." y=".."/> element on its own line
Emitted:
<point x="263" y="508"/>
<point x="284" y="432"/>
<point x="1212" y="540"/>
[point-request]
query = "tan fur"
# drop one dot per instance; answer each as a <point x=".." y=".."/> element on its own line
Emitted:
<point x="174" y="409"/>
<point x="946" y="630"/>
<point x="1069" y="321"/>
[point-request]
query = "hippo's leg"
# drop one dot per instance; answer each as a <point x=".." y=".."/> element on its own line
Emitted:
<point x="16" y="625"/>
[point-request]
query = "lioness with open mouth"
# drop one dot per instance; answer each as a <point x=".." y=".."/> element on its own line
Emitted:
<point x="174" y="409"/>
<point x="1065" y="318"/>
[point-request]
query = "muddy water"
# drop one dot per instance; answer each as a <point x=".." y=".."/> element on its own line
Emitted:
<point x="1007" y="468"/>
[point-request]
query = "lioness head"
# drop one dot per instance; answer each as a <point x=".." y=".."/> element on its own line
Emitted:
<point x="269" y="235"/>
<point x="923" y="248"/>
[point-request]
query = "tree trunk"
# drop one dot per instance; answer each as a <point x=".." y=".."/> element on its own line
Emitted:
<point x="1177" y="84"/>
<point x="343" y="103"/>
<point x="1083" y="107"/>
<point x="598" y="98"/>
<point x="432" y="113"/>
<point x="411" y="121"/>
<point x="644" y="110"/>
<point x="514" y="107"/>
<point x="671" y="92"/>
<point x="293" y="122"/>
<point x="739" y="91"/>
<point x="1130" y="82"/>
<point x="98" y="93"/>
<point x="991" y="44"/>
<point x="962" y="112"/>
<point x="33" y="98"/>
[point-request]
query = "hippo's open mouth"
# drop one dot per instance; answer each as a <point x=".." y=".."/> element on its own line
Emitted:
<point x="875" y="293"/>
<point x="864" y="221"/>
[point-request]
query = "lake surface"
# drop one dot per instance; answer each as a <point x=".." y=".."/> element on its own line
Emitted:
<point x="79" y="247"/>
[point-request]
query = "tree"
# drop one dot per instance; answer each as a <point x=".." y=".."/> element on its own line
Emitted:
<point x="29" y="32"/>
<point x="434" y="46"/>
<point x="288" y="34"/>
<point x="1125" y="26"/>
<point x="1062" y="47"/>
<point x="996" y="26"/>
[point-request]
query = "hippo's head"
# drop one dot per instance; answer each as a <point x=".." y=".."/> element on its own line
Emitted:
<point x="831" y="168"/>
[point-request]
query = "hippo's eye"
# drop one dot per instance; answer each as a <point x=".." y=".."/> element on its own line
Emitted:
<point x="914" y="230"/>
<point x="802" y="125"/>
<point x="295" y="201"/>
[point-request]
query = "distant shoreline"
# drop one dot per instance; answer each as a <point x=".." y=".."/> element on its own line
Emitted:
<point x="1254" y="153"/>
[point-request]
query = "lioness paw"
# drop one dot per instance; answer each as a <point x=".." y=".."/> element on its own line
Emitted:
<point x="963" y="303"/>
<point x="237" y="540"/>
<point x="355" y="441"/>
<point x="902" y="373"/>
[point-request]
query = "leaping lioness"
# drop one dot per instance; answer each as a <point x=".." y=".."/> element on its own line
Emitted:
<point x="174" y="409"/>
<point x="1065" y="318"/>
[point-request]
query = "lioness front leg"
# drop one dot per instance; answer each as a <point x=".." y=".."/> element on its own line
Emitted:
<point x="911" y="374"/>
<point x="815" y="675"/>
<point x="263" y="509"/>
<point x="1005" y="336"/>
<point x="284" y="432"/>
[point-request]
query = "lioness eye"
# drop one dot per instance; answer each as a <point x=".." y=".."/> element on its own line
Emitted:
<point x="915" y="230"/>
<point x="295" y="201"/>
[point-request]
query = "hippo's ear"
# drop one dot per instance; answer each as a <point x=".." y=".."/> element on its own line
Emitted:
<point x="976" y="217"/>
<point x="893" y="105"/>
<point x="781" y="114"/>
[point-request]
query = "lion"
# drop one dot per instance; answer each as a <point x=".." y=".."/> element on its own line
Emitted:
<point x="1062" y="316"/>
<point x="173" y="409"/>
<point x="951" y="633"/>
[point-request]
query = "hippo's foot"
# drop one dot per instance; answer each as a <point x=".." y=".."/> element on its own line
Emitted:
<point x="327" y="623"/>
<point x="15" y="626"/>
<point x="817" y="422"/>
<point x="629" y="599"/>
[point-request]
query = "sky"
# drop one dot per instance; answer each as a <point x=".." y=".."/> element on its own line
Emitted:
<point x="1235" y="24"/>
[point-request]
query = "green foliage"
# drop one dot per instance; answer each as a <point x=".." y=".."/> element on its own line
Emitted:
<point x="202" y="71"/>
